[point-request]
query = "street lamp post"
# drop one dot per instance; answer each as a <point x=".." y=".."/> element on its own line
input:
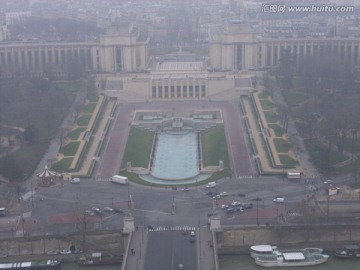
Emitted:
<point x="257" y="200"/>
<point x="32" y="195"/>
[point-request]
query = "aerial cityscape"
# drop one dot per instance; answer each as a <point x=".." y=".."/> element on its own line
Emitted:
<point x="179" y="134"/>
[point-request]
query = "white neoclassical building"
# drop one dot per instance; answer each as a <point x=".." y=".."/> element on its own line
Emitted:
<point x="125" y="70"/>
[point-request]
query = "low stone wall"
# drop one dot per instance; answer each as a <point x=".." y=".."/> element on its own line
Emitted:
<point x="238" y="240"/>
<point x="111" y="243"/>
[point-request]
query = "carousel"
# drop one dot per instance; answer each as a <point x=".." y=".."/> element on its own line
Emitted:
<point x="47" y="177"/>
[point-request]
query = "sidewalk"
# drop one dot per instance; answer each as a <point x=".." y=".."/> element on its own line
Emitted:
<point x="135" y="260"/>
<point x="205" y="250"/>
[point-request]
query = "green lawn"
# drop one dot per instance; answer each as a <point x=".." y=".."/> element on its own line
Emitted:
<point x="271" y="117"/>
<point x="282" y="146"/>
<point x="279" y="131"/>
<point x="90" y="107"/>
<point x="214" y="147"/>
<point x="63" y="165"/>
<point x="74" y="134"/>
<point x="138" y="148"/>
<point x="83" y="121"/>
<point x="70" y="149"/>
<point x="287" y="160"/>
<point x="266" y="104"/>
<point x="263" y="95"/>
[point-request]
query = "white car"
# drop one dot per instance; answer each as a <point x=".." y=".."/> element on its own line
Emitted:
<point x="223" y="194"/>
<point x="328" y="181"/>
<point x="75" y="181"/>
<point x="192" y="233"/>
<point x="108" y="209"/>
<point x="224" y="206"/>
<point x="235" y="203"/>
<point x="279" y="199"/>
<point x="180" y="267"/>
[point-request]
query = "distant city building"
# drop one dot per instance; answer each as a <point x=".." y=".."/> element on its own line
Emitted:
<point x="125" y="70"/>
<point x="16" y="17"/>
<point x="241" y="47"/>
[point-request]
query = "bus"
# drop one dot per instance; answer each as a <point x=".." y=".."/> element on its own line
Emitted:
<point x="293" y="175"/>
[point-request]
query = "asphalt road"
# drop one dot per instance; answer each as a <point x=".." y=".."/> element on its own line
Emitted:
<point x="167" y="249"/>
<point x="58" y="208"/>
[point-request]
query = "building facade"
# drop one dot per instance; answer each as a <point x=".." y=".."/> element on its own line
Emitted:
<point x="125" y="70"/>
<point x="240" y="47"/>
<point x="116" y="51"/>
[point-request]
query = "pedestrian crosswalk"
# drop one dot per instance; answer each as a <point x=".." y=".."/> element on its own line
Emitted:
<point x="294" y="214"/>
<point x="103" y="179"/>
<point x="172" y="228"/>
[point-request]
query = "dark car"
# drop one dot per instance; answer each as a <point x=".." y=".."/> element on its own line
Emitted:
<point x="247" y="205"/>
<point x="118" y="210"/>
<point x="230" y="210"/>
<point x="210" y="193"/>
<point x="96" y="210"/>
<point x="151" y="227"/>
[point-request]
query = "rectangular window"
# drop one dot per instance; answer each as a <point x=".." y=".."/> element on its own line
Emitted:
<point x="184" y="91"/>
<point x="203" y="92"/>
<point x="36" y="56"/>
<point x="172" y="91"/>
<point x="29" y="54"/>
<point x="153" y="92"/>
<point x="43" y="61"/>
<point x="50" y="57"/>
<point x="239" y="58"/>
<point x="191" y="91"/>
<point x="160" y="95"/>
<point x="2" y="55"/>
<point x="178" y="91"/>
<point x="56" y="57"/>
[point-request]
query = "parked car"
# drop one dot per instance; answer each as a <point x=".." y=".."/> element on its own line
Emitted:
<point x="224" y="206"/>
<point x="328" y="181"/>
<point x="235" y="203"/>
<point x="96" y="210"/>
<point x="210" y="193"/>
<point x="108" y="209"/>
<point x="75" y="181"/>
<point x="247" y="205"/>
<point x="118" y="210"/>
<point x="151" y="227"/>
<point x="223" y="194"/>
<point x="279" y="199"/>
<point x="185" y="189"/>
<point x="211" y="185"/>
<point x="230" y="210"/>
<point x="52" y="252"/>
<point x="180" y="267"/>
<point x="89" y="213"/>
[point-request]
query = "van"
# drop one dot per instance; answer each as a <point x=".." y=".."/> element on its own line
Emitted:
<point x="211" y="185"/>
<point x="119" y="179"/>
<point x="75" y="180"/>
